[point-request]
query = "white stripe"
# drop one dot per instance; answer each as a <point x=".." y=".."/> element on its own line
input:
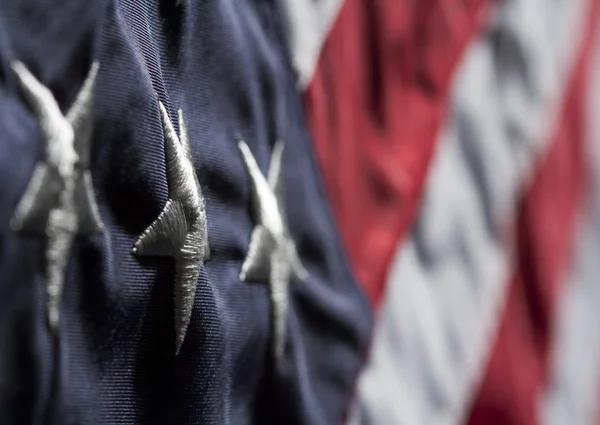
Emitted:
<point x="448" y="281"/>
<point x="307" y="23"/>
<point x="572" y="396"/>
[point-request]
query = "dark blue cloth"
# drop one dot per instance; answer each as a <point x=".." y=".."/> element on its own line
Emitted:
<point x="224" y="63"/>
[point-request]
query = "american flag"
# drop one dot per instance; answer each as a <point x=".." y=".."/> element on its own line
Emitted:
<point x="300" y="212"/>
<point x="460" y="144"/>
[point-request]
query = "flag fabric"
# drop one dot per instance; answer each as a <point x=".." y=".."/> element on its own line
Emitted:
<point x="112" y="357"/>
<point x="301" y="212"/>
<point x="458" y="140"/>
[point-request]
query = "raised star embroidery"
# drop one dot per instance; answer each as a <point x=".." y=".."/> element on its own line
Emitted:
<point x="272" y="255"/>
<point x="180" y="231"/>
<point x="59" y="200"/>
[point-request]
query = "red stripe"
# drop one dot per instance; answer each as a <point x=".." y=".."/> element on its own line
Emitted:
<point x="518" y="369"/>
<point x="375" y="107"/>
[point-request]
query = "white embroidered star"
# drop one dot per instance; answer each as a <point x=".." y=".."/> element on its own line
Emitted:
<point x="180" y="231"/>
<point x="272" y="255"/>
<point x="59" y="200"/>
